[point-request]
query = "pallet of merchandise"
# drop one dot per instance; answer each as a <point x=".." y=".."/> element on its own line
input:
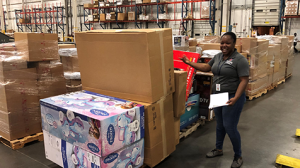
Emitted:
<point x="281" y="81"/>
<point x="288" y="76"/>
<point x="271" y="87"/>
<point x="257" y="95"/>
<point x="190" y="129"/>
<point x="20" y="143"/>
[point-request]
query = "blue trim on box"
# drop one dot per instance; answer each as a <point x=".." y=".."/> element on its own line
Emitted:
<point x="142" y="121"/>
<point x="64" y="153"/>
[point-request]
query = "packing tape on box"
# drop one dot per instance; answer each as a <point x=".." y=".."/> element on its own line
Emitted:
<point x="163" y="126"/>
<point x="162" y="57"/>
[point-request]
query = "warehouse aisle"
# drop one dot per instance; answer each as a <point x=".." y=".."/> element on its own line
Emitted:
<point x="267" y="127"/>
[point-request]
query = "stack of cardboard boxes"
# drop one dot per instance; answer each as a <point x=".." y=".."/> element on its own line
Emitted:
<point x="257" y="54"/>
<point x="28" y="73"/>
<point x="93" y="131"/>
<point x="280" y="63"/>
<point x="69" y="60"/>
<point x="141" y="70"/>
<point x="291" y="8"/>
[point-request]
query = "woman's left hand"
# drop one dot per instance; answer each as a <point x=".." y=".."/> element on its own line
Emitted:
<point x="232" y="101"/>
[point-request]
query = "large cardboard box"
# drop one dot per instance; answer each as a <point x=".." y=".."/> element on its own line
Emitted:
<point x="180" y="93"/>
<point x="18" y="125"/>
<point x="48" y="69"/>
<point x="37" y="46"/>
<point x="210" y="46"/>
<point x="249" y="45"/>
<point x="51" y="87"/>
<point x="212" y="39"/>
<point x="70" y="64"/>
<point x="256" y="86"/>
<point x="159" y="130"/>
<point x="262" y="47"/>
<point x="141" y="69"/>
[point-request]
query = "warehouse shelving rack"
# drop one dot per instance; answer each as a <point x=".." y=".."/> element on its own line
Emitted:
<point x="4" y="19"/>
<point x="282" y="17"/>
<point x="141" y="8"/>
<point x="51" y="16"/>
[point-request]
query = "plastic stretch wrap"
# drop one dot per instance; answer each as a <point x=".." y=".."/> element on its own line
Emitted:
<point x="69" y="59"/>
<point x="37" y="46"/>
<point x="19" y="103"/>
<point x="290" y="65"/>
<point x="72" y="75"/>
<point x="68" y="52"/>
<point x="256" y="86"/>
<point x="258" y="71"/>
<point x="204" y="10"/>
<point x="212" y="39"/>
<point x="210" y="53"/>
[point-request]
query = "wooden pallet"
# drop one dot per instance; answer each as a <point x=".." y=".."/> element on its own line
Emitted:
<point x="281" y="81"/>
<point x="19" y="143"/>
<point x="257" y="95"/>
<point x="288" y="76"/>
<point x="190" y="129"/>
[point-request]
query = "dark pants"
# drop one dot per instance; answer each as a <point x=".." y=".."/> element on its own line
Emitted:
<point x="227" y="120"/>
<point x="295" y="43"/>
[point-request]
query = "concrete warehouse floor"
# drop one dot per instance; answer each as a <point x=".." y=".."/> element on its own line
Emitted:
<point x="267" y="128"/>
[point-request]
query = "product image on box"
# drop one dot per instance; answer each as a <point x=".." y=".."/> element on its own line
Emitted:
<point x="68" y="155"/>
<point x="94" y="122"/>
<point x="191" y="112"/>
<point x="128" y="157"/>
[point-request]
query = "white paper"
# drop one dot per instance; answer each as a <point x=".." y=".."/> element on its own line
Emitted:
<point x="218" y="100"/>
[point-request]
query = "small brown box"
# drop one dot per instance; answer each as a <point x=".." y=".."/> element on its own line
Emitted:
<point x="102" y="17"/>
<point x="122" y="16"/>
<point x="88" y="5"/>
<point x="113" y="16"/>
<point x="131" y="15"/>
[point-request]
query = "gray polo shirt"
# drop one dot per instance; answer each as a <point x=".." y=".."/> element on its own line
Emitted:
<point x="227" y="73"/>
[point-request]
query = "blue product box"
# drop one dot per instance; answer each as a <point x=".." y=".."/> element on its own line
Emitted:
<point x="191" y="114"/>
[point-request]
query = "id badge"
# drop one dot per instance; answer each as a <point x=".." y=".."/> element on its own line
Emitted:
<point x="218" y="87"/>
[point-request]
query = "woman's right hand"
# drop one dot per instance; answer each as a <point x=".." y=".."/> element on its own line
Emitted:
<point x="185" y="59"/>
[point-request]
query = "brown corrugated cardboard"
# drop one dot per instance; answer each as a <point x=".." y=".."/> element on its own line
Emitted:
<point x="66" y="46"/>
<point x="192" y="49"/>
<point x="159" y="130"/>
<point x="210" y="46"/>
<point x="276" y="66"/>
<point x="88" y="5"/>
<point x="15" y="125"/>
<point x="70" y="64"/>
<point x="102" y="17"/>
<point x="245" y="55"/>
<point x="249" y="45"/>
<point x="192" y="42"/>
<point x="262" y="47"/>
<point x="122" y="16"/>
<point x="51" y="87"/>
<point x="238" y="48"/>
<point x="48" y="69"/>
<point x="177" y="129"/>
<point x="212" y="39"/>
<point x="73" y="82"/>
<point x="146" y="1"/>
<point x="20" y="74"/>
<point x="18" y="95"/>
<point x="256" y="86"/>
<point x="37" y="46"/>
<point x="141" y="69"/>
<point x="180" y="93"/>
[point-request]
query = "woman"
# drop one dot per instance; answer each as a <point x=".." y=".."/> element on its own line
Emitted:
<point x="231" y="74"/>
